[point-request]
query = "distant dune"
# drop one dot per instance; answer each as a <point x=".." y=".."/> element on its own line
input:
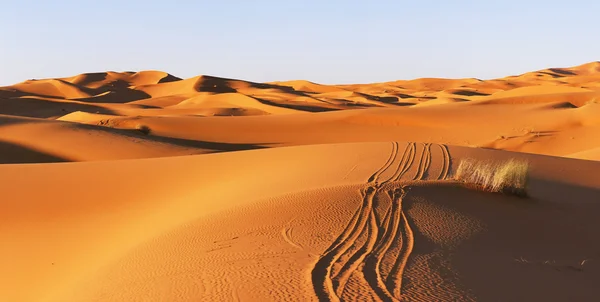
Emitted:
<point x="142" y="186"/>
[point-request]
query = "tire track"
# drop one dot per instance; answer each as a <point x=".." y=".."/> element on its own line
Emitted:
<point x="405" y="163"/>
<point x="372" y="268"/>
<point x="446" y="163"/>
<point x="367" y="259"/>
<point x="424" y="162"/>
<point x="388" y="163"/>
<point x="386" y="218"/>
<point x="321" y="273"/>
<point x="388" y="237"/>
<point x="394" y="280"/>
<point x="347" y="230"/>
<point x="353" y="263"/>
<point x="286" y="232"/>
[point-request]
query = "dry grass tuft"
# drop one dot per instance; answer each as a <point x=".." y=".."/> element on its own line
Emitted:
<point x="508" y="177"/>
<point x="143" y="129"/>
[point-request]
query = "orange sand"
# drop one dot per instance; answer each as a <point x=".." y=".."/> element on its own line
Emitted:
<point x="211" y="189"/>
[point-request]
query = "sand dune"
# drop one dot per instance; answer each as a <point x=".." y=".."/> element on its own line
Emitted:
<point x="185" y="237"/>
<point x="141" y="186"/>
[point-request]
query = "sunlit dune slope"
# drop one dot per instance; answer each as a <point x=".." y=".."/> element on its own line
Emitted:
<point x="258" y="226"/>
<point x="558" y="129"/>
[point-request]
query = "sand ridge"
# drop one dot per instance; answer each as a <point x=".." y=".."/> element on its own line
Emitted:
<point x="550" y="112"/>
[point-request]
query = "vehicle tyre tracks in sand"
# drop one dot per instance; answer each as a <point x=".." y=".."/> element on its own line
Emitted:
<point x="386" y="239"/>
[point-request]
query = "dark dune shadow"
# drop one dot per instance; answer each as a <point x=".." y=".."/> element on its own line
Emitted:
<point x="207" y="145"/>
<point x="11" y="153"/>
<point x="115" y="92"/>
<point x="87" y="90"/>
<point x="92" y="78"/>
<point x="101" y="76"/>
<point x="550" y="74"/>
<point x="118" y="91"/>
<point x="118" y="95"/>
<point x="6" y="92"/>
<point x="214" y="85"/>
<point x="13" y="92"/>
<point x="223" y="85"/>
<point x="32" y="107"/>
<point x="145" y="133"/>
<point x="469" y="93"/>
<point x="347" y="103"/>
<point x="15" y="154"/>
<point x="287" y="89"/>
<point x="382" y="99"/>
<point x="306" y="107"/>
<point x="404" y="96"/>
<point x="517" y="228"/>
<point x="7" y="120"/>
<point x="562" y="192"/>
<point x="169" y="78"/>
<point x="114" y="85"/>
<point x="144" y="106"/>
<point x="562" y="71"/>
<point x="562" y="105"/>
<point x="388" y="99"/>
<point x="404" y="104"/>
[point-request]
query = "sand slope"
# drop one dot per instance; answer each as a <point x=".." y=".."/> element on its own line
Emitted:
<point x="147" y="187"/>
<point x="184" y="237"/>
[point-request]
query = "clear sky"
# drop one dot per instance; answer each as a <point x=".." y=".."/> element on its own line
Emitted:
<point x="323" y="41"/>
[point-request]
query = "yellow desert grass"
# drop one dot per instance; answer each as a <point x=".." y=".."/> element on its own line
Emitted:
<point x="508" y="177"/>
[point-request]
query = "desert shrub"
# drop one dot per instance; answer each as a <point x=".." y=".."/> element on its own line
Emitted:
<point x="507" y="177"/>
<point x="143" y="129"/>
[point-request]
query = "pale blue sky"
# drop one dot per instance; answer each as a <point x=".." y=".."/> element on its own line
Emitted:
<point x="322" y="41"/>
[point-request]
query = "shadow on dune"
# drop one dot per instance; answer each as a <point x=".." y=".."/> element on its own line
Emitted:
<point x="552" y="236"/>
<point x="382" y="99"/>
<point x="11" y="93"/>
<point x="17" y="92"/>
<point x="11" y="153"/>
<point x="214" y="147"/>
<point x="404" y="96"/>
<point x="32" y="107"/>
<point x="119" y="96"/>
<point x="561" y="192"/>
<point x="224" y="85"/>
<point x="553" y="75"/>
<point x="145" y="133"/>
<point x="469" y="93"/>
<point x="117" y="91"/>
<point x="388" y="100"/>
<point x="7" y="120"/>
<point x="92" y="77"/>
<point x="562" y="71"/>
<point x="308" y="108"/>
<point x="169" y="78"/>
<point x="16" y="154"/>
<point x="214" y="84"/>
